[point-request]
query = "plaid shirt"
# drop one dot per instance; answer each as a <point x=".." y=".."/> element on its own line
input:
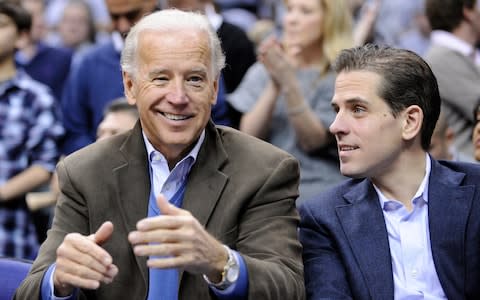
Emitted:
<point x="30" y="128"/>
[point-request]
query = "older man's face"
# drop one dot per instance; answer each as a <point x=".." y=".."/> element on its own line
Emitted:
<point x="174" y="88"/>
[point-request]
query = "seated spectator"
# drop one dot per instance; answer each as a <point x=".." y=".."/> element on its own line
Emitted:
<point x="455" y="61"/>
<point x="49" y="65"/>
<point x="76" y="29"/>
<point x="285" y="97"/>
<point x="30" y="128"/>
<point x="55" y="10"/>
<point x="405" y="226"/>
<point x="441" y="141"/>
<point x="119" y="117"/>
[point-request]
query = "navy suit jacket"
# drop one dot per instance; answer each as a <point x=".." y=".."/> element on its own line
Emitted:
<point x="346" y="250"/>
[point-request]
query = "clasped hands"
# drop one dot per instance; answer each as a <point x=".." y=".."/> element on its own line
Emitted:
<point x="175" y="237"/>
<point x="278" y="61"/>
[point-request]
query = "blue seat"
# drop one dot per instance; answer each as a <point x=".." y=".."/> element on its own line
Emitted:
<point x="12" y="273"/>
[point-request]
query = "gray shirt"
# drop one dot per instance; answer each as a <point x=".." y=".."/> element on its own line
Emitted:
<point x="317" y="171"/>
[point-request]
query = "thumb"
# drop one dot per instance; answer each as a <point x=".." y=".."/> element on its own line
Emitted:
<point x="166" y="208"/>
<point x="103" y="233"/>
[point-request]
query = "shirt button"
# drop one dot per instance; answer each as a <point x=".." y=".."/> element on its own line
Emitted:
<point x="414" y="273"/>
<point x="167" y="186"/>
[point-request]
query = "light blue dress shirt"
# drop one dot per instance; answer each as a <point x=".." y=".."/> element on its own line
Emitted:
<point x="414" y="274"/>
<point x="168" y="182"/>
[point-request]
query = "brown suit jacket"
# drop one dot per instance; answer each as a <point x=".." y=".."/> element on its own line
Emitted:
<point x="241" y="189"/>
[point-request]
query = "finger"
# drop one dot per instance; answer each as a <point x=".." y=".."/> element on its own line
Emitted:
<point x="111" y="273"/>
<point x="73" y="280"/>
<point x="163" y="249"/>
<point x="156" y="236"/>
<point x="103" y="233"/>
<point x="85" y="252"/>
<point x="166" y="222"/>
<point x="168" y="262"/>
<point x="168" y="209"/>
<point x="65" y="266"/>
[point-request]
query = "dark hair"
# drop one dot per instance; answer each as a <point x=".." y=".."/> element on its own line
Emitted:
<point x="120" y="105"/>
<point x="446" y="14"/>
<point x="19" y="15"/>
<point x="406" y="80"/>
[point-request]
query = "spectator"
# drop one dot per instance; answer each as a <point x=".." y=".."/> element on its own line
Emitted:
<point x="49" y="65"/>
<point x="406" y="225"/>
<point x="29" y="132"/>
<point x="231" y="215"/>
<point x="239" y="49"/>
<point x="76" y="29"/>
<point x="56" y="8"/>
<point x="119" y="117"/>
<point x="456" y="63"/>
<point x="285" y="97"/>
<point x="97" y="78"/>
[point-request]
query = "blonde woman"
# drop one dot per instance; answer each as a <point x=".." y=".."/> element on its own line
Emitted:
<point x="285" y="97"/>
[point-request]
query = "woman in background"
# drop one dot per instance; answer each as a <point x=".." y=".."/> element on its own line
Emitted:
<point x="285" y="97"/>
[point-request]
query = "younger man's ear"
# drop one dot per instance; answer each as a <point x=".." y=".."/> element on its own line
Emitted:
<point x="413" y="120"/>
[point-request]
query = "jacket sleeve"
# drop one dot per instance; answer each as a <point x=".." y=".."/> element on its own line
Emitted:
<point x="325" y="274"/>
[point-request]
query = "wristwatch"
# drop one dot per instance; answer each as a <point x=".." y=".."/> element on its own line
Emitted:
<point x="230" y="272"/>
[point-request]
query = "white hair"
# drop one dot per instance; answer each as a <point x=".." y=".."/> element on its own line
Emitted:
<point x="167" y="20"/>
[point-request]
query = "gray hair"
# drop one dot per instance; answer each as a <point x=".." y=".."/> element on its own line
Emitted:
<point x="166" y="20"/>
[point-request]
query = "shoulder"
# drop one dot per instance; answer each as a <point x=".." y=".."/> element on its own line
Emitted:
<point x="469" y="171"/>
<point x="103" y="51"/>
<point x="97" y="157"/>
<point x="324" y="204"/>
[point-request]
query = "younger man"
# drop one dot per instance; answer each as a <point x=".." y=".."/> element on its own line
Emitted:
<point x="405" y="225"/>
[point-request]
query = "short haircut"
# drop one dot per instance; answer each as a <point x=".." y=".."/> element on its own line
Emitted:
<point x="167" y="20"/>
<point x="19" y="15"/>
<point x="446" y="14"/>
<point x="406" y="80"/>
<point x="121" y="105"/>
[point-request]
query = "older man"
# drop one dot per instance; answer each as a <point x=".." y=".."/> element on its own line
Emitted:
<point x="175" y="208"/>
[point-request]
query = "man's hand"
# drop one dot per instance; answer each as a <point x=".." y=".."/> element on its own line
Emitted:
<point x="179" y="241"/>
<point x="82" y="262"/>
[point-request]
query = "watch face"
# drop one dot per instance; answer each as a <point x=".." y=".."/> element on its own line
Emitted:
<point x="232" y="273"/>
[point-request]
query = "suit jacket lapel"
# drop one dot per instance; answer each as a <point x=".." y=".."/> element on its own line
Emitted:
<point x="205" y="181"/>
<point x="449" y="205"/>
<point x="364" y="226"/>
<point x="133" y="186"/>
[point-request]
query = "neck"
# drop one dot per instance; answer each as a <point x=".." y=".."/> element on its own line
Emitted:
<point x="309" y="57"/>
<point x="401" y="182"/>
<point x="7" y="69"/>
<point x="466" y="33"/>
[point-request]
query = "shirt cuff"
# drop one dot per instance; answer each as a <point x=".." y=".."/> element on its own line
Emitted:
<point x="239" y="289"/>
<point x="48" y="289"/>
